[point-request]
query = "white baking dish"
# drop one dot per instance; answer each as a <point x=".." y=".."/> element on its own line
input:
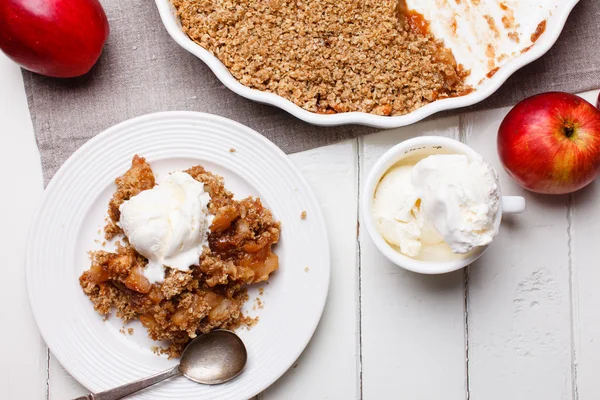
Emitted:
<point x="555" y="12"/>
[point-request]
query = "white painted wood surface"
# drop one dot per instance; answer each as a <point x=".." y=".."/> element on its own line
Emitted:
<point x="518" y="293"/>
<point x="413" y="336"/>
<point x="521" y="323"/>
<point x="584" y="218"/>
<point x="329" y="367"/>
<point x="23" y="355"/>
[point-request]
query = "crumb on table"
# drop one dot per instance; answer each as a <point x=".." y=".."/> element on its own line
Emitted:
<point x="306" y="269"/>
<point x="232" y="150"/>
<point x="303" y="215"/>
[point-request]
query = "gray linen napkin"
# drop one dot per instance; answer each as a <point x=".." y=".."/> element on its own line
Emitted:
<point x="143" y="70"/>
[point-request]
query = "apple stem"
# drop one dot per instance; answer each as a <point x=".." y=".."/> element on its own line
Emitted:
<point x="569" y="129"/>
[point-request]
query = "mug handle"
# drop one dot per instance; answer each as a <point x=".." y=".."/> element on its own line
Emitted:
<point x="513" y="204"/>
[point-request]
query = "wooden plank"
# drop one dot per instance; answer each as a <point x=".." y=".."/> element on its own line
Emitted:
<point x="328" y="368"/>
<point x="519" y="321"/>
<point x="61" y="385"/>
<point x="24" y="358"/>
<point x="585" y="278"/>
<point x="413" y="338"/>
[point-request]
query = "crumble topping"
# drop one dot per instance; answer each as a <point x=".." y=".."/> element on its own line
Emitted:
<point x="328" y="56"/>
<point x="209" y="295"/>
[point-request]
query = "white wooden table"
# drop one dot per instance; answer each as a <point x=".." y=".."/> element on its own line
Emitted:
<point x="521" y="323"/>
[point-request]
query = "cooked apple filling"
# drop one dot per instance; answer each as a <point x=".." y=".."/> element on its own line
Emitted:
<point x="210" y="294"/>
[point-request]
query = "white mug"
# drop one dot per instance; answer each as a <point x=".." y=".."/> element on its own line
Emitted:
<point x="417" y="148"/>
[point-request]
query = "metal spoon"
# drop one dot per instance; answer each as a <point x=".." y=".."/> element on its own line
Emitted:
<point x="213" y="358"/>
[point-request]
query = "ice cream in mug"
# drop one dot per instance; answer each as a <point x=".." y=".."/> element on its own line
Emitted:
<point x="440" y="208"/>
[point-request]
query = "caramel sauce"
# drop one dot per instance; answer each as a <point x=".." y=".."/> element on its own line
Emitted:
<point x="416" y="22"/>
<point x="541" y="28"/>
<point x="464" y="92"/>
<point x="514" y="36"/>
<point x="412" y="20"/>
<point x="526" y="49"/>
<point x="453" y="26"/>
<point x="492" y="72"/>
<point x="490" y="51"/>
<point x="492" y="25"/>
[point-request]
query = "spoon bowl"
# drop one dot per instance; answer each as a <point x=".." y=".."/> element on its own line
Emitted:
<point x="214" y="358"/>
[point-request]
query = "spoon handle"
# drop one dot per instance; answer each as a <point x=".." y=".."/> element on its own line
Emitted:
<point x="129" y="388"/>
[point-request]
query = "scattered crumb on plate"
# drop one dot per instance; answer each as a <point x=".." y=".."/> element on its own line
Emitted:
<point x="306" y="269"/>
<point x="258" y="304"/>
<point x="249" y="322"/>
<point x="232" y="150"/>
<point x="261" y="291"/>
<point x="303" y="215"/>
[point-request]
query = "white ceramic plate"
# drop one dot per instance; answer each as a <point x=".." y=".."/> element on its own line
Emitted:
<point x="462" y="25"/>
<point x="73" y="209"/>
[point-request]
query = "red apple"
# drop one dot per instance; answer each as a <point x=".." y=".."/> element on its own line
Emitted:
<point x="550" y="143"/>
<point x="59" y="38"/>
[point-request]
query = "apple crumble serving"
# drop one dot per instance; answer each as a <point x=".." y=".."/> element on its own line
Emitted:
<point x="198" y="299"/>
<point x="328" y="56"/>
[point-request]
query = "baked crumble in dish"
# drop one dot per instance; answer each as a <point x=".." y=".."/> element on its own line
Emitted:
<point x="207" y="296"/>
<point x="328" y="56"/>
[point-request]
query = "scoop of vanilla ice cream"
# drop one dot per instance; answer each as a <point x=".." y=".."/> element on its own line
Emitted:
<point x="398" y="215"/>
<point x="460" y="197"/>
<point x="168" y="224"/>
